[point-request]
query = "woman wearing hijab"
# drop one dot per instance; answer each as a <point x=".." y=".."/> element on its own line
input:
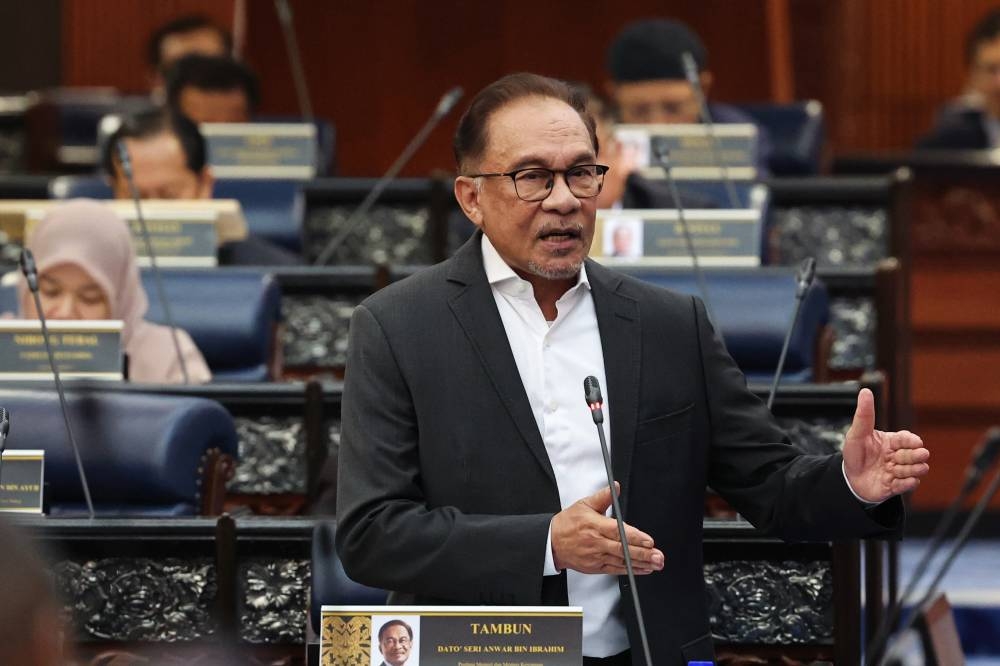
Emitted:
<point x="87" y="270"/>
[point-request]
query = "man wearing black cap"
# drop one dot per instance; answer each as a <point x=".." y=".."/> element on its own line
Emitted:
<point x="649" y="86"/>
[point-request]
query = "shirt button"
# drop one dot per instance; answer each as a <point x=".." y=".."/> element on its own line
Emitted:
<point x="552" y="407"/>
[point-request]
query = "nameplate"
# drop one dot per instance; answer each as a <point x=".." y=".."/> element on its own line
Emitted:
<point x="692" y="153"/>
<point x="261" y="150"/>
<point x="452" y="635"/>
<point x="22" y="480"/>
<point x="82" y="349"/>
<point x="180" y="238"/>
<point x="655" y="237"/>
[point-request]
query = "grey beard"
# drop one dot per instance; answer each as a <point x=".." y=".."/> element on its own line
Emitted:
<point x="555" y="274"/>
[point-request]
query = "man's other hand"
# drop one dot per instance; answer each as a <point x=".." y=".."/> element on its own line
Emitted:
<point x="586" y="540"/>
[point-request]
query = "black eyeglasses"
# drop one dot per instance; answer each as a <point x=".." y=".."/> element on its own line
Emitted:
<point x="535" y="183"/>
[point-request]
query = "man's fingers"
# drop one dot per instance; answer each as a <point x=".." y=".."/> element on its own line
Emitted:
<point x="609" y="530"/>
<point x="910" y="456"/>
<point x="904" y="439"/>
<point x="900" y="486"/>
<point x="601" y="500"/>
<point x="906" y="471"/>
<point x="864" y="415"/>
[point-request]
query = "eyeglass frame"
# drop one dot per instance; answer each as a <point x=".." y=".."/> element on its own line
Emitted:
<point x="513" y="178"/>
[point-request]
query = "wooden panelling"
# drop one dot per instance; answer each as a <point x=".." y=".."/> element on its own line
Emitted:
<point x="951" y="446"/>
<point x="954" y="297"/>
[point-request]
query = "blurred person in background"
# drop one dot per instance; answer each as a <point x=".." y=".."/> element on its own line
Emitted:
<point x="180" y="37"/>
<point x="212" y="89"/>
<point x="87" y="270"/>
<point x="649" y="86"/>
<point x="170" y="161"/>
<point x="973" y="121"/>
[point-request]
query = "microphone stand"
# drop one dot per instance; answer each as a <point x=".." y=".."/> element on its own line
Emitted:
<point x="31" y="276"/>
<point x="691" y="72"/>
<point x="4" y="429"/>
<point x="126" y="164"/>
<point x="592" y="390"/>
<point x="294" y="58"/>
<point x="662" y="156"/>
<point x="444" y="106"/>
<point x="807" y="272"/>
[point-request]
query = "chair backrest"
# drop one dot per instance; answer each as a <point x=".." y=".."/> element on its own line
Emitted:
<point x="753" y="310"/>
<point x="232" y="314"/>
<point x="797" y="134"/>
<point x="142" y="454"/>
<point x="330" y="585"/>
<point x="272" y="207"/>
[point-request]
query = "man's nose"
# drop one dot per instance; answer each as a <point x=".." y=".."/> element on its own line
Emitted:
<point x="560" y="199"/>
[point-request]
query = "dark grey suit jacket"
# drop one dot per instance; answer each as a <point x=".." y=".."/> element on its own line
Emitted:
<point x="446" y="491"/>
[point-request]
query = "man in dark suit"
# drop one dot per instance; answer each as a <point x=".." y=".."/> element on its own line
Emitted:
<point x="470" y="471"/>
<point x="974" y="122"/>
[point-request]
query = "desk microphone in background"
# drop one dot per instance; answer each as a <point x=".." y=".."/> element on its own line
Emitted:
<point x="983" y="458"/>
<point x="294" y="58"/>
<point x="693" y="77"/>
<point x="126" y="163"/>
<point x="804" y="280"/>
<point x="661" y="156"/>
<point x="592" y="393"/>
<point x="4" y="429"/>
<point x="444" y="107"/>
<point x="30" y="273"/>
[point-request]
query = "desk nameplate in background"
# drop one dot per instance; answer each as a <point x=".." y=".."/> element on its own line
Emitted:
<point x="261" y="150"/>
<point x="692" y="154"/>
<point x="654" y="237"/>
<point x="22" y="480"/>
<point x="453" y="635"/>
<point x="82" y="349"/>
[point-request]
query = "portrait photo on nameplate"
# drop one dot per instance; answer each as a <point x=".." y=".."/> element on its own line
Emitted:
<point x="451" y="635"/>
<point x="656" y="237"/>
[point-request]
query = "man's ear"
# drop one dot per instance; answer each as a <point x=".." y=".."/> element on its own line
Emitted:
<point x="706" y="82"/>
<point x="206" y="183"/>
<point x="467" y="194"/>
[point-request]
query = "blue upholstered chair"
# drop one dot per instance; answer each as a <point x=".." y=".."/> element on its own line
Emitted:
<point x="76" y="187"/>
<point x="797" y="134"/>
<point x="753" y="309"/>
<point x="233" y="315"/>
<point x="330" y="584"/>
<point x="143" y="455"/>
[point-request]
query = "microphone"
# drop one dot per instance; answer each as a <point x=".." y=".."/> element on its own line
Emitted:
<point x="443" y="108"/>
<point x="294" y="58"/>
<point x="982" y="459"/>
<point x="693" y="77"/>
<point x="4" y="429"/>
<point x="31" y="276"/>
<point x="960" y="540"/>
<point x="126" y="163"/>
<point x="661" y="155"/>
<point x="592" y="392"/>
<point x="804" y="280"/>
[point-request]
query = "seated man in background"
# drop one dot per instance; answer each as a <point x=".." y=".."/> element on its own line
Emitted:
<point x="973" y="122"/>
<point x="169" y="161"/>
<point x="211" y="89"/>
<point x="87" y="270"/>
<point x="649" y="86"/>
<point x="180" y="37"/>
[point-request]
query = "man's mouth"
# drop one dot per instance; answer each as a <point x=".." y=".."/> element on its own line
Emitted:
<point x="569" y="233"/>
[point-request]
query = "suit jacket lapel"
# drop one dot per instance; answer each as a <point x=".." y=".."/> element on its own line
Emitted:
<point x="475" y="309"/>
<point x="621" y="342"/>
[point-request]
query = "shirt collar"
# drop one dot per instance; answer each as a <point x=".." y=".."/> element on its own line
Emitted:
<point x="499" y="272"/>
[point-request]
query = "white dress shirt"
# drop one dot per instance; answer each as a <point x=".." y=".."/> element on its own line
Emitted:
<point x="553" y="359"/>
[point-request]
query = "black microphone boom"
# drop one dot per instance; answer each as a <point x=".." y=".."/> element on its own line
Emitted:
<point x="31" y="276"/>
<point x="982" y="459"/>
<point x="294" y="58"/>
<point x="692" y="75"/>
<point x="443" y="108"/>
<point x="804" y="279"/>
<point x="592" y="392"/>
<point x="4" y="429"/>
<point x="661" y="154"/>
<point x="126" y="164"/>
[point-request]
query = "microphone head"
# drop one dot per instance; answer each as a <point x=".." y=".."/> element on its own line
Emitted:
<point x="448" y="101"/>
<point x="806" y="275"/>
<point x="123" y="157"/>
<point x="4" y="422"/>
<point x="987" y="451"/>
<point x="659" y="147"/>
<point x="690" y="69"/>
<point x="592" y="391"/>
<point x="27" y="263"/>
